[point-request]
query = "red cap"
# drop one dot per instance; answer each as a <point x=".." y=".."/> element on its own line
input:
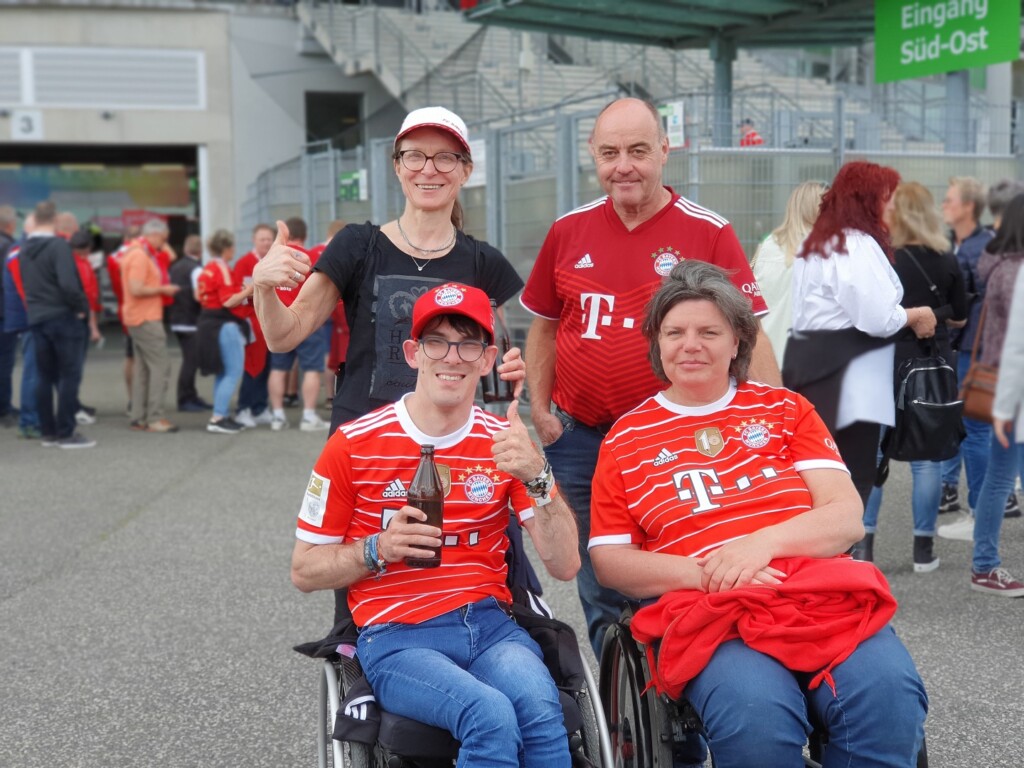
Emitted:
<point x="452" y="299"/>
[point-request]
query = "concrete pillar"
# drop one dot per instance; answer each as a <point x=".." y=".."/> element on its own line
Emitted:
<point x="723" y="53"/>
<point x="999" y="95"/>
<point x="958" y="111"/>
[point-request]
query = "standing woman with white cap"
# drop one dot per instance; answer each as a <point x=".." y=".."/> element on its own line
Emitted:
<point x="379" y="272"/>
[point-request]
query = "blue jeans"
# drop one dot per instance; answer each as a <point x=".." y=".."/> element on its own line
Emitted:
<point x="232" y="358"/>
<point x="973" y="450"/>
<point x="59" y="363"/>
<point x="1003" y="466"/>
<point x="29" y="416"/>
<point x="253" y="392"/>
<point x="476" y="673"/>
<point x="8" y="351"/>
<point x="755" y="711"/>
<point x="573" y="459"/>
<point x="927" y="477"/>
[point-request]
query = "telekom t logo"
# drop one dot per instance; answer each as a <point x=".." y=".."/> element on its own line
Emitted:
<point x="703" y="483"/>
<point x="592" y="305"/>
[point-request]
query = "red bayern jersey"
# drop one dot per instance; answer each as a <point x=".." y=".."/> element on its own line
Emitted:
<point x="361" y="480"/>
<point x="686" y="480"/>
<point x="595" y="277"/>
<point x="215" y="286"/>
<point x="90" y="284"/>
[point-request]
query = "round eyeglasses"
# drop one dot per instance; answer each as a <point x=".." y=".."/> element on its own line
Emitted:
<point x="437" y="348"/>
<point x="444" y="162"/>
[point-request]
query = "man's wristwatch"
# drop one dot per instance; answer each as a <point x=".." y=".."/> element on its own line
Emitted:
<point x="542" y="484"/>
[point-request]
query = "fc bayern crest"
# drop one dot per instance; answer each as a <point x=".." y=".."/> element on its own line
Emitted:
<point x="479" y="488"/>
<point x="448" y="296"/>
<point x="664" y="259"/>
<point x="755" y="436"/>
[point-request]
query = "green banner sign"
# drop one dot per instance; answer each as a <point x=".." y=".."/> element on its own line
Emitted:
<point x="352" y="185"/>
<point x="914" y="39"/>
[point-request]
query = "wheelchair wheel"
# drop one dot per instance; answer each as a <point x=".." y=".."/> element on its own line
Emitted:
<point x="335" y="678"/>
<point x="596" y="746"/>
<point x="639" y="730"/>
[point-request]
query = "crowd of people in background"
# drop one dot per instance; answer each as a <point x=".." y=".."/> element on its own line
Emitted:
<point x="51" y="313"/>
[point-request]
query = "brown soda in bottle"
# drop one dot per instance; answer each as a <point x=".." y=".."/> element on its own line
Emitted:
<point x="427" y="493"/>
<point x="496" y="390"/>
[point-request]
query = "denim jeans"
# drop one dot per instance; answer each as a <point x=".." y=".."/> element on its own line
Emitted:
<point x="755" y="711"/>
<point x="573" y="459"/>
<point x="478" y="674"/>
<point x="973" y="450"/>
<point x="58" y="343"/>
<point x="8" y="351"/>
<point x="1003" y="466"/>
<point x="253" y="392"/>
<point x="29" y="416"/>
<point x="927" y="490"/>
<point x="232" y="358"/>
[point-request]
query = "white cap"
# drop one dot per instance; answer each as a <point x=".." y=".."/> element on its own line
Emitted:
<point x="435" y="117"/>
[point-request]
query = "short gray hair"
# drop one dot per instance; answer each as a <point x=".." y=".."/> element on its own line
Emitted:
<point x="154" y="226"/>
<point x="8" y="216"/>
<point x="692" y="280"/>
<point x="1001" y="193"/>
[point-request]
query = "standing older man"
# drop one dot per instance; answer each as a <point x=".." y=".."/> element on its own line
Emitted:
<point x="595" y="273"/>
<point x="56" y="305"/>
<point x="145" y="286"/>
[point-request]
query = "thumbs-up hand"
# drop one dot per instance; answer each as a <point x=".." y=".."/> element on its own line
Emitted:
<point x="283" y="266"/>
<point x="514" y="451"/>
<point x="513" y="368"/>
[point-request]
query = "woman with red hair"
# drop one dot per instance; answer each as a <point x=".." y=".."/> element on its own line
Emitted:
<point x="846" y="308"/>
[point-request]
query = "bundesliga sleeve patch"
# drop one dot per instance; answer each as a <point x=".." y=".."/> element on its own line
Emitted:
<point x="314" y="501"/>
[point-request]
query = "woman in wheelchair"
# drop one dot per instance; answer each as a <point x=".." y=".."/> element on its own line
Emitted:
<point x="439" y="645"/>
<point x="724" y="505"/>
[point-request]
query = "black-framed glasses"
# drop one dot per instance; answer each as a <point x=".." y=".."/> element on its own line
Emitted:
<point x="437" y="348"/>
<point x="444" y="162"/>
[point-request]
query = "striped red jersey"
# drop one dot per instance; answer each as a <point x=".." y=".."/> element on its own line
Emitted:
<point x="595" y="277"/>
<point x="686" y="480"/>
<point x="361" y="480"/>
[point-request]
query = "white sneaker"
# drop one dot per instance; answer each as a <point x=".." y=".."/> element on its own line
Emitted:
<point x="244" y="417"/>
<point x="314" y="424"/>
<point x="961" y="530"/>
<point x="263" y="417"/>
<point x="83" y="417"/>
<point x="277" y="424"/>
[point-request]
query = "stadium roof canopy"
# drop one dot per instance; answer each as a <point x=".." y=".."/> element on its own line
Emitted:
<point x="689" y="23"/>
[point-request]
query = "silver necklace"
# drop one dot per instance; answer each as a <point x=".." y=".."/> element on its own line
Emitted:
<point x="445" y="247"/>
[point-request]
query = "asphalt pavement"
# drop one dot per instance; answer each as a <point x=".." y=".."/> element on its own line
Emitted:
<point x="147" y="617"/>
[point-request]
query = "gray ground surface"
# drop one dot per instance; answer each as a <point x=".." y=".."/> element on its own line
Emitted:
<point x="146" y="616"/>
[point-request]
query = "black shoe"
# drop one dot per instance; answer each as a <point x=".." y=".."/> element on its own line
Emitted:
<point x="191" y="406"/>
<point x="203" y="404"/>
<point x="87" y="408"/>
<point x="864" y="549"/>
<point x="950" y="501"/>
<point x="225" y="426"/>
<point x="924" y="555"/>
<point x="290" y="401"/>
<point x="1012" y="508"/>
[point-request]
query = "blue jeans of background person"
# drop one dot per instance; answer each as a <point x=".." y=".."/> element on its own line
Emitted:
<point x="1003" y="466"/>
<point x="59" y="363"/>
<point x="573" y="459"/>
<point x="8" y="351"/>
<point x="925" y="497"/>
<point x="755" y="711"/>
<point x="478" y="674"/>
<point x="232" y="358"/>
<point x="253" y="392"/>
<point x="973" y="450"/>
<point x="29" y="416"/>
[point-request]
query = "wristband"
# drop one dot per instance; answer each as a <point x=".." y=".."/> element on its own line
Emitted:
<point x="371" y="559"/>
<point x="544" y="499"/>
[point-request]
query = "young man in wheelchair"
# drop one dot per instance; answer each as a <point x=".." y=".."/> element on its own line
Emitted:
<point x="728" y="502"/>
<point x="438" y="645"/>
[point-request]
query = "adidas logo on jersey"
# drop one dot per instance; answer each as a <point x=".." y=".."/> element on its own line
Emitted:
<point x="395" y="490"/>
<point x="665" y="457"/>
<point x="585" y="262"/>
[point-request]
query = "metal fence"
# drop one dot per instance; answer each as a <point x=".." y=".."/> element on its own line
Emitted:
<point x="533" y="172"/>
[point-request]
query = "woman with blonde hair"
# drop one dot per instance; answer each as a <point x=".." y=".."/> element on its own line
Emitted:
<point x="773" y="262"/>
<point x="930" y="277"/>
